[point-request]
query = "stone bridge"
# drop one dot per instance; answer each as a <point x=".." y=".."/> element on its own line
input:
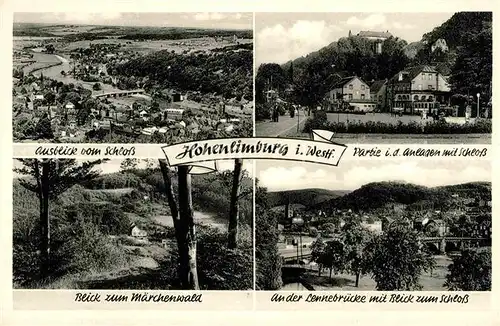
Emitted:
<point x="119" y="93"/>
<point x="443" y="244"/>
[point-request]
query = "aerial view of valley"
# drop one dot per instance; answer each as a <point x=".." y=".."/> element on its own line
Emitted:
<point x="143" y="80"/>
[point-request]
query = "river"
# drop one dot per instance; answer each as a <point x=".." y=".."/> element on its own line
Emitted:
<point x="54" y="72"/>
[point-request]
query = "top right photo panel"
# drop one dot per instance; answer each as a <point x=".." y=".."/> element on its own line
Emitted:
<point x="375" y="78"/>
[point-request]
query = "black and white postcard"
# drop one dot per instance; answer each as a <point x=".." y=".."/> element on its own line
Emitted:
<point x="375" y="77"/>
<point x="131" y="77"/>
<point x="374" y="227"/>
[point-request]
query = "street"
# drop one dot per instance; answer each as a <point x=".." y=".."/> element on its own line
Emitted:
<point x="284" y="125"/>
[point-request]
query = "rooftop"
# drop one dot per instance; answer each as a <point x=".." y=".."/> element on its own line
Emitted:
<point x="385" y="34"/>
<point x="376" y="85"/>
<point x="411" y="72"/>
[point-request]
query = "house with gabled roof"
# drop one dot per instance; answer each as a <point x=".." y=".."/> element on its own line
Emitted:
<point x="350" y="93"/>
<point x="378" y="93"/>
<point x="418" y="89"/>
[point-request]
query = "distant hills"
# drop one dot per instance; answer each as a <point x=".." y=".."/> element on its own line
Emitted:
<point x="377" y="195"/>
<point x="306" y="197"/>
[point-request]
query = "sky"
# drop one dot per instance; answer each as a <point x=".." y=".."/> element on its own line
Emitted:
<point x="280" y="37"/>
<point x="224" y="20"/>
<point x="283" y="175"/>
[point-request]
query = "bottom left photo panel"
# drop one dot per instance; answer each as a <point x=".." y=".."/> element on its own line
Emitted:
<point x="132" y="224"/>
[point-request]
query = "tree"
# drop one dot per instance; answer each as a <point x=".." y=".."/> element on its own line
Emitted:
<point x="43" y="129"/>
<point x="334" y="257"/>
<point x="49" y="48"/>
<point x="268" y="259"/>
<point x="471" y="271"/>
<point x="355" y="238"/>
<point x="472" y="71"/>
<point x="397" y="260"/>
<point x="129" y="164"/>
<point x="318" y="248"/>
<point x="49" y="179"/>
<point x="49" y="98"/>
<point x="328" y="228"/>
<point x="155" y="106"/>
<point x="269" y="76"/>
<point x="149" y="164"/>
<point x="96" y="87"/>
<point x="233" y="208"/>
<point x="182" y="216"/>
<point x="462" y="226"/>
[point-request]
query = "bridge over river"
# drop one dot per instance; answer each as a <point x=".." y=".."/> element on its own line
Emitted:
<point x="116" y="94"/>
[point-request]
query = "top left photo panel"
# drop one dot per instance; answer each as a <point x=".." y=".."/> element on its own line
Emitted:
<point x="131" y="77"/>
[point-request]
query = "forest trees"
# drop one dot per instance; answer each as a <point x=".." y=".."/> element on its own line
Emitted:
<point x="49" y="178"/>
<point x="473" y="66"/>
<point x="226" y="73"/>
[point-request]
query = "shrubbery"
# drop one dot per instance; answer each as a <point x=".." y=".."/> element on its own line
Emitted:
<point x="481" y="126"/>
<point x="218" y="268"/>
<point x="76" y="248"/>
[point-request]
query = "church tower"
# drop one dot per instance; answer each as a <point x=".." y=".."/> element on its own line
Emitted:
<point x="350" y="34"/>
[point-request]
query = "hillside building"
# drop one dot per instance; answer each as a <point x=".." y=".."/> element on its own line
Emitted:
<point x="377" y="37"/>
<point x="440" y="44"/>
<point x="136" y="232"/>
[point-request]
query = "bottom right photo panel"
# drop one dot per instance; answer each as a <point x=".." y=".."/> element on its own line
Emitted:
<point x="373" y="226"/>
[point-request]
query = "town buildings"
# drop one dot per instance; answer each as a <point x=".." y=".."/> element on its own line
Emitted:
<point x="418" y="89"/>
<point x="350" y="93"/>
<point x="378" y="93"/>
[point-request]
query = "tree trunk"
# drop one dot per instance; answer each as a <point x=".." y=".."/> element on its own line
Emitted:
<point x="357" y="279"/>
<point x="234" y="205"/>
<point x="187" y="234"/>
<point x="36" y="169"/>
<point x="169" y="192"/>
<point x="330" y="273"/>
<point x="45" y="221"/>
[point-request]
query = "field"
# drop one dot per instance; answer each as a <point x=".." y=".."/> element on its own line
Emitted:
<point x="178" y="46"/>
